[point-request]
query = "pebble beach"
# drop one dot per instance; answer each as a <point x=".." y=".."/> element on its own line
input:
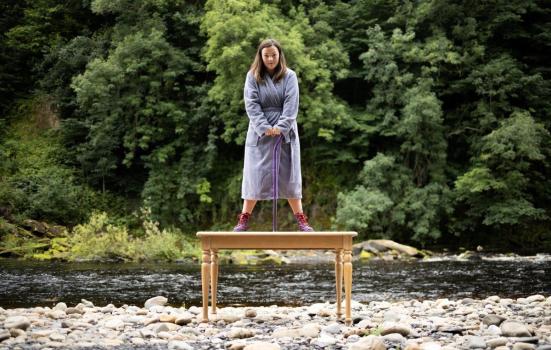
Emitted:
<point x="490" y="323"/>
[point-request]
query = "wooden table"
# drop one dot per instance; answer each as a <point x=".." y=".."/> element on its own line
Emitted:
<point x="340" y="242"/>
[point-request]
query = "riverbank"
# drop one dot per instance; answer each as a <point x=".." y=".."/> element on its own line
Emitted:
<point x="490" y="323"/>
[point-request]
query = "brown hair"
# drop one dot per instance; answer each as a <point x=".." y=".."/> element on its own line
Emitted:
<point x="259" y="69"/>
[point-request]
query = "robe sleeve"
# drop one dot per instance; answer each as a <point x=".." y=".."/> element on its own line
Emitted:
<point x="290" y="105"/>
<point x="253" y="107"/>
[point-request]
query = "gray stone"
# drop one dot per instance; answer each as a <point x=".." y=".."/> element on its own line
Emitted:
<point x="395" y="339"/>
<point x="476" y="343"/>
<point x="73" y="310"/>
<point x="544" y="347"/>
<point x="86" y="303"/>
<point x="179" y="345"/>
<point x="262" y="346"/>
<point x="535" y="298"/>
<point x="283" y="332"/>
<point x="431" y="345"/>
<point x="4" y="334"/>
<point x="195" y="310"/>
<point x="523" y="346"/>
<point x="493" y="320"/>
<point x="240" y="333"/>
<point x="147" y="333"/>
<point x="324" y="340"/>
<point x="310" y="330"/>
<point x="250" y="313"/>
<point x="113" y="323"/>
<point x="514" y="329"/>
<point x="57" y="337"/>
<point x="494" y="343"/>
<point x="524" y="340"/>
<point x="183" y="318"/>
<point x="60" y="306"/>
<point x="19" y="322"/>
<point x="333" y="328"/>
<point x="237" y="346"/>
<point x="393" y="327"/>
<point x="158" y="300"/>
<point x="493" y="330"/>
<point x="369" y="342"/>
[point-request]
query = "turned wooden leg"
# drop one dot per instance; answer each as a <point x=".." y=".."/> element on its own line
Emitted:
<point x="205" y="272"/>
<point x="338" y="277"/>
<point x="214" y="277"/>
<point x="348" y="285"/>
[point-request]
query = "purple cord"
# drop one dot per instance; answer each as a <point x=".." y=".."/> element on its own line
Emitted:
<point x="275" y="173"/>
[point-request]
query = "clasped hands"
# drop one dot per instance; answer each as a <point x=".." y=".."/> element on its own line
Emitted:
<point x="273" y="131"/>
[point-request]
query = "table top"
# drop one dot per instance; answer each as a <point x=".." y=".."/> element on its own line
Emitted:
<point x="278" y="233"/>
<point x="276" y="240"/>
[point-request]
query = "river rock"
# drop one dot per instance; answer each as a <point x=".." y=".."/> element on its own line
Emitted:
<point x="179" y="345"/>
<point x="493" y="319"/>
<point x="370" y="342"/>
<point x="333" y="328"/>
<point x="4" y="334"/>
<point x="262" y="346"/>
<point x="283" y="332"/>
<point x="494" y="343"/>
<point x="514" y="329"/>
<point x="535" y="298"/>
<point x="19" y="322"/>
<point x="396" y="339"/>
<point x="183" y="318"/>
<point x="324" y="340"/>
<point x="158" y="300"/>
<point x="60" y="306"/>
<point x="57" y="337"/>
<point x="74" y="311"/>
<point x="476" y="343"/>
<point x="431" y="345"/>
<point x="113" y="323"/>
<point x="394" y="327"/>
<point x="523" y="346"/>
<point x="240" y="333"/>
<point x="167" y="318"/>
<point x="310" y="330"/>
<point x="86" y="303"/>
<point x="250" y="313"/>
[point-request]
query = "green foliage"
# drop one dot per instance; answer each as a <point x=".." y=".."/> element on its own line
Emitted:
<point x="100" y="239"/>
<point x="498" y="187"/>
<point x="235" y="28"/>
<point x="419" y="121"/>
<point x="35" y="181"/>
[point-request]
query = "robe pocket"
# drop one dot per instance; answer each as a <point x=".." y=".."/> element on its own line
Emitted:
<point x="252" y="141"/>
<point x="292" y="136"/>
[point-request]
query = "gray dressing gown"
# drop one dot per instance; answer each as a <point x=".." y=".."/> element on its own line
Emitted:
<point x="271" y="104"/>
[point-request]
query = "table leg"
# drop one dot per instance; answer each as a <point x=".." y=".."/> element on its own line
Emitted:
<point x="214" y="277"/>
<point x="205" y="271"/>
<point x="348" y="285"/>
<point x="338" y="277"/>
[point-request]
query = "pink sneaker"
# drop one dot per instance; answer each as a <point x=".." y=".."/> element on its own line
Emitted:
<point x="303" y="223"/>
<point x="243" y="223"/>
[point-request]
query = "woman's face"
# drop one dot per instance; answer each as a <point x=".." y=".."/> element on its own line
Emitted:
<point x="270" y="57"/>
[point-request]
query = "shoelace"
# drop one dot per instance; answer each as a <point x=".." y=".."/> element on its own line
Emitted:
<point x="243" y="218"/>
<point x="302" y="218"/>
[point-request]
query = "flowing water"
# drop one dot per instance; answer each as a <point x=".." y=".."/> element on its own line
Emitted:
<point x="31" y="283"/>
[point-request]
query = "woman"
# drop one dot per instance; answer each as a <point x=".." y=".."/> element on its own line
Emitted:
<point x="271" y="101"/>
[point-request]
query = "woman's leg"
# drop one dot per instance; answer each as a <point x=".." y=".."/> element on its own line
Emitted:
<point x="296" y="205"/>
<point x="248" y="205"/>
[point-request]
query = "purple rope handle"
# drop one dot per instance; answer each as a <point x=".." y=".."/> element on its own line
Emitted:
<point x="275" y="172"/>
